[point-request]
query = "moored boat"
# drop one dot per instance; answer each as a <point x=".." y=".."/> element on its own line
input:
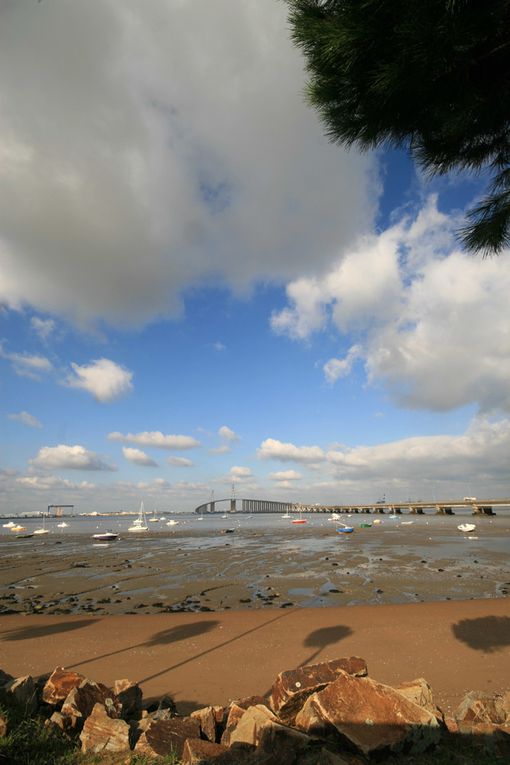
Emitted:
<point x="105" y="536"/>
<point x="466" y="527"/>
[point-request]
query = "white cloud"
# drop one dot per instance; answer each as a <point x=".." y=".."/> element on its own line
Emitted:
<point x="137" y="457"/>
<point x="272" y="449"/>
<point x="26" y="419"/>
<point x="27" y="365"/>
<point x="238" y="471"/>
<point x="223" y="449"/>
<point x="69" y="458"/>
<point x="44" y="328"/>
<point x="155" y="439"/>
<point x="336" y="368"/>
<point x="219" y="346"/>
<point x="433" y="321"/>
<point x="227" y="433"/>
<point x="51" y="482"/>
<point x="226" y="176"/>
<point x="106" y="380"/>
<point x="286" y="476"/>
<point x="179" y="461"/>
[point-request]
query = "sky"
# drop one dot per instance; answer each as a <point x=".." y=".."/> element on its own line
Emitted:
<point x="197" y="290"/>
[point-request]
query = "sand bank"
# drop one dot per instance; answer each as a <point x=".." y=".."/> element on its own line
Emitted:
<point x="204" y="658"/>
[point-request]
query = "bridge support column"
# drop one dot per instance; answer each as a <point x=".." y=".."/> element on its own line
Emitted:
<point x="212" y="507"/>
<point x="232" y="505"/>
<point x="483" y="510"/>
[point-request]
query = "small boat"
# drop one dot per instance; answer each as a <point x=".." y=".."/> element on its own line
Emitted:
<point x="141" y="523"/>
<point x="466" y="527"/>
<point x="43" y="529"/>
<point x="227" y="531"/>
<point x="105" y="536"/>
<point x="17" y="529"/>
<point x="365" y="525"/>
<point x="334" y="517"/>
<point x="406" y="523"/>
<point x="25" y="536"/>
<point x="299" y="520"/>
<point x="8" y="525"/>
<point x="287" y="515"/>
<point x="172" y="522"/>
<point x="62" y="525"/>
<point x="343" y="529"/>
<point x="378" y="520"/>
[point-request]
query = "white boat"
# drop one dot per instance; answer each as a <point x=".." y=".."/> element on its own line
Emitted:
<point x="43" y="529"/>
<point x="141" y="522"/>
<point x="172" y="522"/>
<point x="8" y="525"/>
<point x="62" y="525"/>
<point x="153" y="520"/>
<point x="466" y="527"/>
<point x="18" y="528"/>
<point x="406" y="523"/>
<point x="105" y="536"/>
<point x="334" y="517"/>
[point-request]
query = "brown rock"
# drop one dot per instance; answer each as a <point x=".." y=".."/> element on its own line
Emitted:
<point x="371" y="716"/>
<point x="81" y="701"/>
<point x="451" y="725"/>
<point x="207" y="719"/>
<point x="60" y="721"/>
<point x="129" y="694"/>
<point x="292" y="688"/>
<point x="22" y="691"/>
<point x="196" y="751"/>
<point x="476" y="708"/>
<point x="59" y="684"/>
<point x="167" y="736"/>
<point x="325" y="757"/>
<point x="235" y="712"/>
<point x="259" y="728"/>
<point x="419" y="692"/>
<point x="102" y="734"/>
<point x="3" y="726"/>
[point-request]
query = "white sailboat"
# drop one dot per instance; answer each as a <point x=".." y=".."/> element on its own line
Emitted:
<point x="141" y="522"/>
<point x="43" y="529"/>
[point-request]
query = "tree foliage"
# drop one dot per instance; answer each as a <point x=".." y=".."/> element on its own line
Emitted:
<point x="432" y="76"/>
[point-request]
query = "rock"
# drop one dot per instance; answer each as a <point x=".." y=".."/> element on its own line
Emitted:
<point x="164" y="709"/>
<point x="325" y="757"/>
<point x="235" y="712"/>
<point x="419" y="692"/>
<point x="371" y="716"/>
<point x="59" y="684"/>
<point x="129" y="694"/>
<point x="81" y="700"/>
<point x="478" y="708"/>
<point x="196" y="751"/>
<point x="259" y="728"/>
<point x="292" y="688"/>
<point x="5" y="677"/>
<point x="22" y="691"/>
<point x="207" y="719"/>
<point x="102" y="734"/>
<point x="167" y="736"/>
<point x="3" y="726"/>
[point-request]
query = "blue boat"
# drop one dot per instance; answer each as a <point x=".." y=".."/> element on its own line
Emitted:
<point x="343" y="529"/>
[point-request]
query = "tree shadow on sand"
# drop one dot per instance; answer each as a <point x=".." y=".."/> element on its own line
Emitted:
<point x="44" y="630"/>
<point x="323" y="637"/>
<point x="487" y="634"/>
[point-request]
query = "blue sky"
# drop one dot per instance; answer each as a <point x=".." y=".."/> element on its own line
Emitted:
<point x="198" y="289"/>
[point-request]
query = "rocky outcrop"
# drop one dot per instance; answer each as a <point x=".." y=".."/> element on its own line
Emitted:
<point x="419" y="692"/>
<point x="207" y="718"/>
<point x="164" y="737"/>
<point x="369" y="716"/>
<point x="103" y="734"/>
<point x="482" y="712"/>
<point x="81" y="700"/>
<point x="292" y="688"/>
<point x="59" y="685"/>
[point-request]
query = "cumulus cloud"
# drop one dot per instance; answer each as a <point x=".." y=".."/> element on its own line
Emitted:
<point x="69" y="458"/>
<point x="103" y="378"/>
<point x="179" y="461"/>
<point x="227" y="433"/>
<point x="26" y="419"/>
<point x="223" y="449"/>
<point x="272" y="449"/>
<point x="27" y="365"/>
<point x="186" y="166"/>
<point x="44" y="328"/>
<point x="155" y="439"/>
<point x="238" y="471"/>
<point x="137" y="457"/>
<point x="52" y="482"/>
<point x="432" y="320"/>
<point x="286" y="476"/>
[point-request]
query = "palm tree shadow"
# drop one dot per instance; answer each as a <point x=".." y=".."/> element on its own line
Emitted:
<point x="44" y="630"/>
<point x="487" y="634"/>
<point x="323" y="637"/>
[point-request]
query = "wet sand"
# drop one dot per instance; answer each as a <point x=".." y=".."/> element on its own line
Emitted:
<point x="192" y="570"/>
<point x="204" y="658"/>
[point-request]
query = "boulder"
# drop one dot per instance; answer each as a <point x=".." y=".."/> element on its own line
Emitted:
<point x="234" y="714"/>
<point x="3" y="726"/>
<point x="419" y="692"/>
<point x="60" y="721"/>
<point x="102" y="734"/>
<point x="129" y="694"/>
<point x="477" y="710"/>
<point x="167" y="736"/>
<point x="369" y="715"/>
<point x="5" y="677"/>
<point x="260" y="729"/>
<point x="81" y="700"/>
<point x="197" y="751"/>
<point x="292" y="688"/>
<point x="22" y="692"/>
<point x="59" y="685"/>
<point x="207" y="719"/>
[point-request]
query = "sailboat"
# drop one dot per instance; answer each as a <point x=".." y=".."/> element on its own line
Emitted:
<point x="334" y="517"/>
<point x="300" y="519"/>
<point x="43" y="529"/>
<point x="8" y="525"/>
<point x="141" y="522"/>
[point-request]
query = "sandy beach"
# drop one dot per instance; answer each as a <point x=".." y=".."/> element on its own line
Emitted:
<point x="201" y="659"/>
